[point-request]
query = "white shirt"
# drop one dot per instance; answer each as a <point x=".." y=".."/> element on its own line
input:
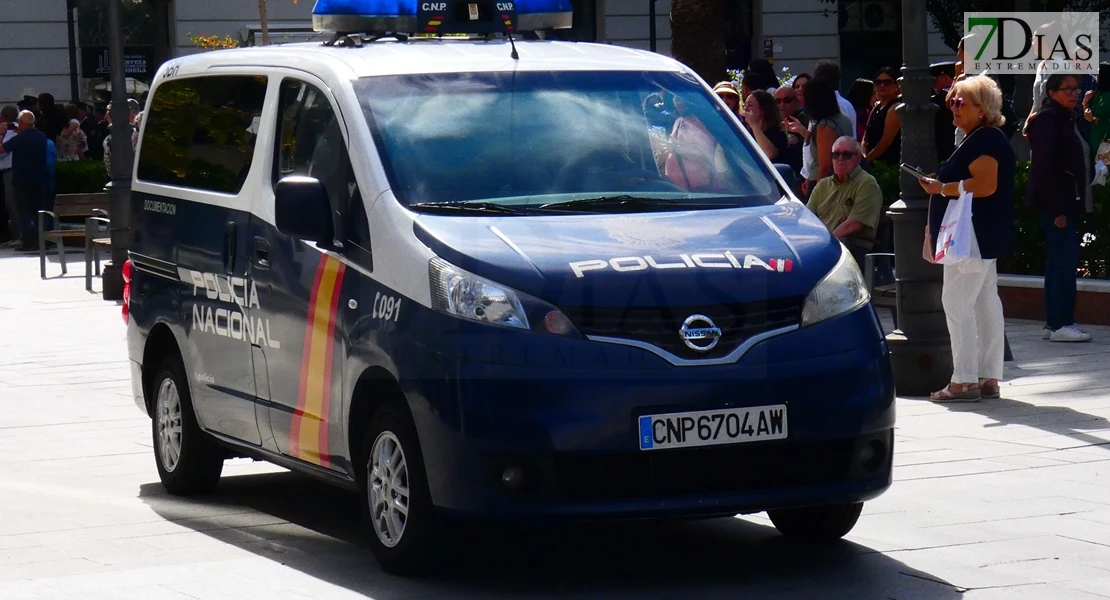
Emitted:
<point x="6" y="158"/>
<point x="849" y="110"/>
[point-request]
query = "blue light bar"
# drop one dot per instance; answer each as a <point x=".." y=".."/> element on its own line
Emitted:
<point x="440" y="16"/>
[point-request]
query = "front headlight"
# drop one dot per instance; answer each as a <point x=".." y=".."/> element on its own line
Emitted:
<point x="463" y="294"/>
<point x="842" y="290"/>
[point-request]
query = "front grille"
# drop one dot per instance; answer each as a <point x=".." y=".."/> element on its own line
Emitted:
<point x="660" y="326"/>
<point x="693" y="471"/>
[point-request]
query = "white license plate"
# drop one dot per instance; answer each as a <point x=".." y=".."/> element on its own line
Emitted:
<point x="713" y="427"/>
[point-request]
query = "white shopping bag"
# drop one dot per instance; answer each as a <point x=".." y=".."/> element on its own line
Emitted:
<point x="1100" y="174"/>
<point x="954" y="240"/>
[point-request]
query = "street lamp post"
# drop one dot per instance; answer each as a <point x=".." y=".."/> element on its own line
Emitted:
<point x="920" y="350"/>
<point x="119" y="190"/>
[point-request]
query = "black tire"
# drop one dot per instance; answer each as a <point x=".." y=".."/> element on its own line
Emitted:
<point x="200" y="460"/>
<point x="413" y="552"/>
<point x="816" y="523"/>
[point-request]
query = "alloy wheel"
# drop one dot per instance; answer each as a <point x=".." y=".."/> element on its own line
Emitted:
<point x="388" y="478"/>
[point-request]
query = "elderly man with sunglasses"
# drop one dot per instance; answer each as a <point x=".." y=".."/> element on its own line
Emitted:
<point x="849" y="201"/>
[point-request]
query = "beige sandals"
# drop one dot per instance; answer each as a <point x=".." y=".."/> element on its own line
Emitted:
<point x="958" y="392"/>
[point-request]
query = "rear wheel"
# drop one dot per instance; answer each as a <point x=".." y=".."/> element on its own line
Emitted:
<point x="189" y="461"/>
<point x="816" y="523"/>
<point x="396" y="502"/>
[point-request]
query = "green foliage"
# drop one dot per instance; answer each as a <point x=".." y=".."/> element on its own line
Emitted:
<point x="1028" y="257"/>
<point x="888" y="176"/>
<point x="737" y="76"/>
<point x="80" y="177"/>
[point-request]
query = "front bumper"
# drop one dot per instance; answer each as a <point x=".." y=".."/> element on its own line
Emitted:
<point x="573" y="435"/>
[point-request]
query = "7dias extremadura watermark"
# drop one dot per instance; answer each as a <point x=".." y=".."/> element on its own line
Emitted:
<point x="1018" y="42"/>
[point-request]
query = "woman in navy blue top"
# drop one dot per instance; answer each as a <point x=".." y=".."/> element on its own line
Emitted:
<point x="985" y="163"/>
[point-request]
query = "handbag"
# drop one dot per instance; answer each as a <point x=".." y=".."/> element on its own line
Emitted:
<point x="954" y="238"/>
<point x="928" y="248"/>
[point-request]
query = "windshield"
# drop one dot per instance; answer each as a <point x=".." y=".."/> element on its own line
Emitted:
<point x="531" y="139"/>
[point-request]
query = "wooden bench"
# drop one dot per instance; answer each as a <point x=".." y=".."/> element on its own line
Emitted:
<point x="96" y="236"/>
<point x="67" y="206"/>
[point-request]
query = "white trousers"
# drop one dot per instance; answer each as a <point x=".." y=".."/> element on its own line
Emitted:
<point x="976" y="325"/>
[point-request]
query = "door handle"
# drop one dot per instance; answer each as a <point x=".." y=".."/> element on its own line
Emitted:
<point x="262" y="252"/>
<point x="230" y="243"/>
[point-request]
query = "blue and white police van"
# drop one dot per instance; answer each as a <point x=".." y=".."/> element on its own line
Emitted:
<point x="492" y="275"/>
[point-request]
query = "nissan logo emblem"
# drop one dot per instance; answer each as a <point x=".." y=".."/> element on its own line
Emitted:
<point x="700" y="333"/>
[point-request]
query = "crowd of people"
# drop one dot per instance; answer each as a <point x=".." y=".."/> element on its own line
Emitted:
<point x="832" y="142"/>
<point x="35" y="134"/>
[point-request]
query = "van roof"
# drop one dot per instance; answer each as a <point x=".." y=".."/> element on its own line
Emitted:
<point x="444" y="55"/>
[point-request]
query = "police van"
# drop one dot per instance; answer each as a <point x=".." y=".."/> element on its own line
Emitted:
<point x="492" y="274"/>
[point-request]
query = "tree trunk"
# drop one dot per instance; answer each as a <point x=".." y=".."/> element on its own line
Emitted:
<point x="263" y="21"/>
<point x="698" y="36"/>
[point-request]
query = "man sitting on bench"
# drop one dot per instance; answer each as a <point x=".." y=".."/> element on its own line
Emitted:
<point x="849" y="201"/>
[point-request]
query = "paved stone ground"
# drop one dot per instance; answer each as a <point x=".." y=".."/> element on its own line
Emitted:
<point x="1007" y="499"/>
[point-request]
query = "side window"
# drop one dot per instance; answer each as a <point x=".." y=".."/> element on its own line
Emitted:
<point x="311" y="143"/>
<point x="200" y="132"/>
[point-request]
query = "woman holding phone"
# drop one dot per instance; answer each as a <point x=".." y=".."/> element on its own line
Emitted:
<point x="984" y="163"/>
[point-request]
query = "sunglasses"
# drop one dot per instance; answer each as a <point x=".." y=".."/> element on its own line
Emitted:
<point x="843" y="155"/>
<point x="884" y="82"/>
<point x="957" y="103"/>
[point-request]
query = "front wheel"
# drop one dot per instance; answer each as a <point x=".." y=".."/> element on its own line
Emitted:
<point x="816" y="523"/>
<point x="189" y="461"/>
<point x="395" y="498"/>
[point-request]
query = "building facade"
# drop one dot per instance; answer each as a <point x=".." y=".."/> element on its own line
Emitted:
<point x="34" y="50"/>
<point x="862" y="35"/>
<point x="35" y="54"/>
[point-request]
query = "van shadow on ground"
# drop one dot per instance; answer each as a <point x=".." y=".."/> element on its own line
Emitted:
<point x="719" y="558"/>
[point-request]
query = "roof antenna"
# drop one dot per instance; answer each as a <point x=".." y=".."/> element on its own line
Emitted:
<point x="508" y="32"/>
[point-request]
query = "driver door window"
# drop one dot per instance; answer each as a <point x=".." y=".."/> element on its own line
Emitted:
<point x="311" y="144"/>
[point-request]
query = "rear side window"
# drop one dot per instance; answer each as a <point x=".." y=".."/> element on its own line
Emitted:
<point x="200" y="132"/>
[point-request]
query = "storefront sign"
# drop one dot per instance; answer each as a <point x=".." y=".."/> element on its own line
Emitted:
<point x="138" y="62"/>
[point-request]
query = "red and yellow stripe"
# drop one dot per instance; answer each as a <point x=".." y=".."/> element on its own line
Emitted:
<point x="309" y="432"/>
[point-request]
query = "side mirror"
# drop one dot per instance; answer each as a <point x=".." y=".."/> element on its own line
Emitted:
<point x="787" y="174"/>
<point x="302" y="210"/>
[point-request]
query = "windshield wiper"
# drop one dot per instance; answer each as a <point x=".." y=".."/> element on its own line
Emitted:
<point x="625" y="201"/>
<point x="479" y="207"/>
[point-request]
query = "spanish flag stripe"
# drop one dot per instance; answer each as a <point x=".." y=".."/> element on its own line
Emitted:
<point x="294" y="442"/>
<point x="309" y="432"/>
<point x="325" y="404"/>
